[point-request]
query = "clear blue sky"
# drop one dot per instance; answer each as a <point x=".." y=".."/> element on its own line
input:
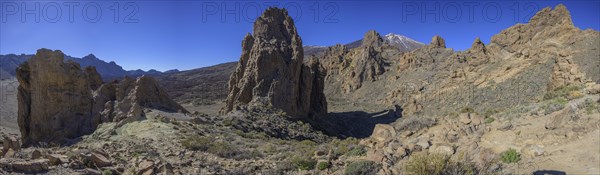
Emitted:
<point x="184" y="35"/>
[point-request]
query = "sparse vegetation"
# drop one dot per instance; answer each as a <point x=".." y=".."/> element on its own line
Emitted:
<point x="590" y="106"/>
<point x="490" y="112"/>
<point x="107" y="172"/>
<point x="357" y="151"/>
<point x="219" y="148"/>
<point x="426" y="164"/>
<point x="562" y="92"/>
<point x="437" y="164"/>
<point x="467" y="109"/>
<point x="303" y="163"/>
<point x="553" y="105"/>
<point x="227" y="122"/>
<point x="510" y="156"/>
<point x="252" y="134"/>
<point x="341" y="147"/>
<point x="488" y="120"/>
<point x="323" y="165"/>
<point x="361" y="167"/>
<point x="196" y="143"/>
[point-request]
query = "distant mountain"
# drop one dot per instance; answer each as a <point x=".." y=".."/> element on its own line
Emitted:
<point x="110" y="70"/>
<point x="405" y="44"/>
<point x="314" y="50"/>
<point x="9" y="63"/>
<point x="199" y="86"/>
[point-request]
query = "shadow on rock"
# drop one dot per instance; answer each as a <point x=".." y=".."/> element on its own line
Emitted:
<point x="549" y="172"/>
<point x="357" y="124"/>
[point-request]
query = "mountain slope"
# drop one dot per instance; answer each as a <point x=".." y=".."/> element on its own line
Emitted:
<point x="198" y="86"/>
<point x="9" y="63"/>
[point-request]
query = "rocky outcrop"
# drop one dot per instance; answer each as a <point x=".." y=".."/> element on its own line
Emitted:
<point x="271" y="66"/>
<point x="350" y="68"/>
<point x="425" y="56"/>
<point x="437" y="42"/>
<point x="477" y="47"/>
<point x="545" y="25"/>
<point x="58" y="101"/>
<point x="368" y="62"/>
<point x="54" y="99"/>
<point x="124" y="100"/>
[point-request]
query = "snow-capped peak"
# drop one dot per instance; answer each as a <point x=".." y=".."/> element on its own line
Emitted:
<point x="395" y="38"/>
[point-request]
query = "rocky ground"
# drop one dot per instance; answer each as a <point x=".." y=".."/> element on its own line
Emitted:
<point x="8" y="106"/>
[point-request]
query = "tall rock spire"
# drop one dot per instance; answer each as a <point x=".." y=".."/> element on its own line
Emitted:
<point x="271" y="67"/>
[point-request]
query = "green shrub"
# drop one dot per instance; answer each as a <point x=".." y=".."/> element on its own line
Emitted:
<point x="437" y="164"/>
<point x="341" y="147"/>
<point x="488" y="120"/>
<point x="510" y="156"/>
<point x="252" y="134"/>
<point x="107" y="172"/>
<point x="218" y="148"/>
<point x="467" y="109"/>
<point x="462" y="168"/>
<point x="358" y="150"/>
<point x="361" y="167"/>
<point x="590" y="106"/>
<point x="304" y="163"/>
<point x="323" y="165"/>
<point x="426" y="164"/>
<point x="227" y="122"/>
<point x="562" y="92"/>
<point x="553" y="105"/>
<point x="196" y="143"/>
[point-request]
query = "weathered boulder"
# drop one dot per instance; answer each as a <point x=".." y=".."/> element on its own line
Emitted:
<point x="100" y="160"/>
<point x="11" y="141"/>
<point x="383" y="132"/>
<point x="33" y="166"/>
<point x="271" y="66"/>
<point x="57" y="159"/>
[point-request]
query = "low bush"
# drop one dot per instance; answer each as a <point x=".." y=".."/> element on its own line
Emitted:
<point x="437" y="164"/>
<point x="196" y="143"/>
<point x="323" y="165"/>
<point x="510" y="156"/>
<point x="553" y="105"/>
<point x="341" y="147"/>
<point x="562" y="92"/>
<point x="303" y="163"/>
<point x="590" y="106"/>
<point x="467" y="109"/>
<point x="425" y="164"/>
<point x="361" y="167"/>
<point x="218" y="148"/>
<point x="488" y="120"/>
<point x="358" y="150"/>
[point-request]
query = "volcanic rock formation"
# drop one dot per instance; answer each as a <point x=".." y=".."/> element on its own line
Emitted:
<point x="271" y="66"/>
<point x="58" y="101"/>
